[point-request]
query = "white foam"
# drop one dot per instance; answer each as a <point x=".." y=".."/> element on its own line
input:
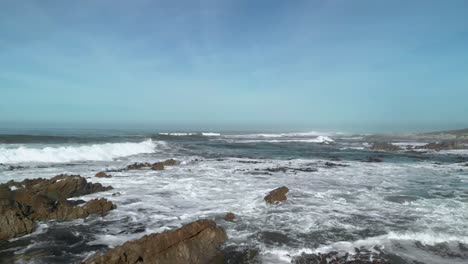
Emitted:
<point x="319" y="139"/>
<point x="96" y="152"/>
<point x="209" y="134"/>
<point x="177" y="134"/>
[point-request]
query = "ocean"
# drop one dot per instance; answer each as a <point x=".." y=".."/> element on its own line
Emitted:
<point x="411" y="207"/>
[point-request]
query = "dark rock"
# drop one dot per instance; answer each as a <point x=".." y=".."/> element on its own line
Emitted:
<point x="197" y="243"/>
<point x="384" y="146"/>
<point x="138" y="166"/>
<point x="332" y="165"/>
<point x="238" y="255"/>
<point x="361" y="256"/>
<point x="102" y="174"/>
<point x="373" y="159"/>
<point x="277" y="195"/>
<point x="230" y="217"/>
<point x="46" y="199"/>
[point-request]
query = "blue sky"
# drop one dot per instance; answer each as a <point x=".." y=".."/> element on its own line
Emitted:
<point x="287" y="64"/>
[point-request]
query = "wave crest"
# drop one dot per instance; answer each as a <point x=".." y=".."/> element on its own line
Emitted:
<point x="96" y="152"/>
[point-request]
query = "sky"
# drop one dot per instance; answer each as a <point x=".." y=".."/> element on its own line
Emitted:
<point x="331" y="64"/>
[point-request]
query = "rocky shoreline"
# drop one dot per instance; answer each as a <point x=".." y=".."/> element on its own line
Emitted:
<point x="23" y="204"/>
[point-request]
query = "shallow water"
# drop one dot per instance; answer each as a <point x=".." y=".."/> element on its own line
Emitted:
<point x="411" y="205"/>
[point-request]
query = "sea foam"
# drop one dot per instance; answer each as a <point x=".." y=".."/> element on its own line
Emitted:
<point x="96" y="152"/>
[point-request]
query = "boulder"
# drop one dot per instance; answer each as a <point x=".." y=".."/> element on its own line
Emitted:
<point x="23" y="203"/>
<point x="197" y="242"/>
<point x="157" y="166"/>
<point x="102" y="174"/>
<point x="230" y="217"/>
<point x="384" y="146"/>
<point x="277" y="195"/>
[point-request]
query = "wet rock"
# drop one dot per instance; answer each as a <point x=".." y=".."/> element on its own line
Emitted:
<point x="158" y="166"/>
<point x="443" y="145"/>
<point x="138" y="166"/>
<point x="333" y="165"/>
<point x="360" y="257"/>
<point x="23" y="203"/>
<point x="198" y="242"/>
<point x="238" y="255"/>
<point x="230" y="217"/>
<point x="169" y="162"/>
<point x="277" y="195"/>
<point x="384" y="146"/>
<point x="102" y="174"/>
<point x="401" y="199"/>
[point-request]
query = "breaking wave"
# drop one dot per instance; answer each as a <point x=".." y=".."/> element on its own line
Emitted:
<point x="96" y="152"/>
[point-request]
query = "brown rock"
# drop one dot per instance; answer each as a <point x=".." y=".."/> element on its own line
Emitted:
<point x="158" y="166"/>
<point x="230" y="217"/>
<point x="45" y="199"/>
<point x="443" y="145"/>
<point x="102" y="174"/>
<point x="277" y="195"/>
<point x="170" y="162"/>
<point x="384" y="146"/>
<point x="12" y="221"/>
<point x="196" y="243"/>
<point x="138" y="166"/>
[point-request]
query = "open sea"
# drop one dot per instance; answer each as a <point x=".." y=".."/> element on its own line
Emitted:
<point x="410" y="208"/>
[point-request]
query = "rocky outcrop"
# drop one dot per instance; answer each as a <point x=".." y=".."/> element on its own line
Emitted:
<point x="443" y="145"/>
<point x="102" y="174"/>
<point x="155" y="166"/>
<point x="23" y="203"/>
<point x="230" y="217"/>
<point x="138" y="166"/>
<point x="277" y="195"/>
<point x="196" y="243"/>
<point x="384" y="146"/>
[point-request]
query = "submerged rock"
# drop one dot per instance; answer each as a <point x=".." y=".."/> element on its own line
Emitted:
<point x="198" y="242"/>
<point x="102" y="174"/>
<point x="277" y="195"/>
<point x="230" y="217"/>
<point x="384" y="146"/>
<point x="360" y="256"/>
<point x="373" y="159"/>
<point x="23" y="203"/>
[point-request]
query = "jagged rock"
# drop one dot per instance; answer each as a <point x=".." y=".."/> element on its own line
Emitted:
<point x="277" y="195"/>
<point x="158" y="166"/>
<point x="102" y="174"/>
<point x="385" y="146"/>
<point x="196" y="243"/>
<point x="230" y="217"/>
<point x="22" y="203"/>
